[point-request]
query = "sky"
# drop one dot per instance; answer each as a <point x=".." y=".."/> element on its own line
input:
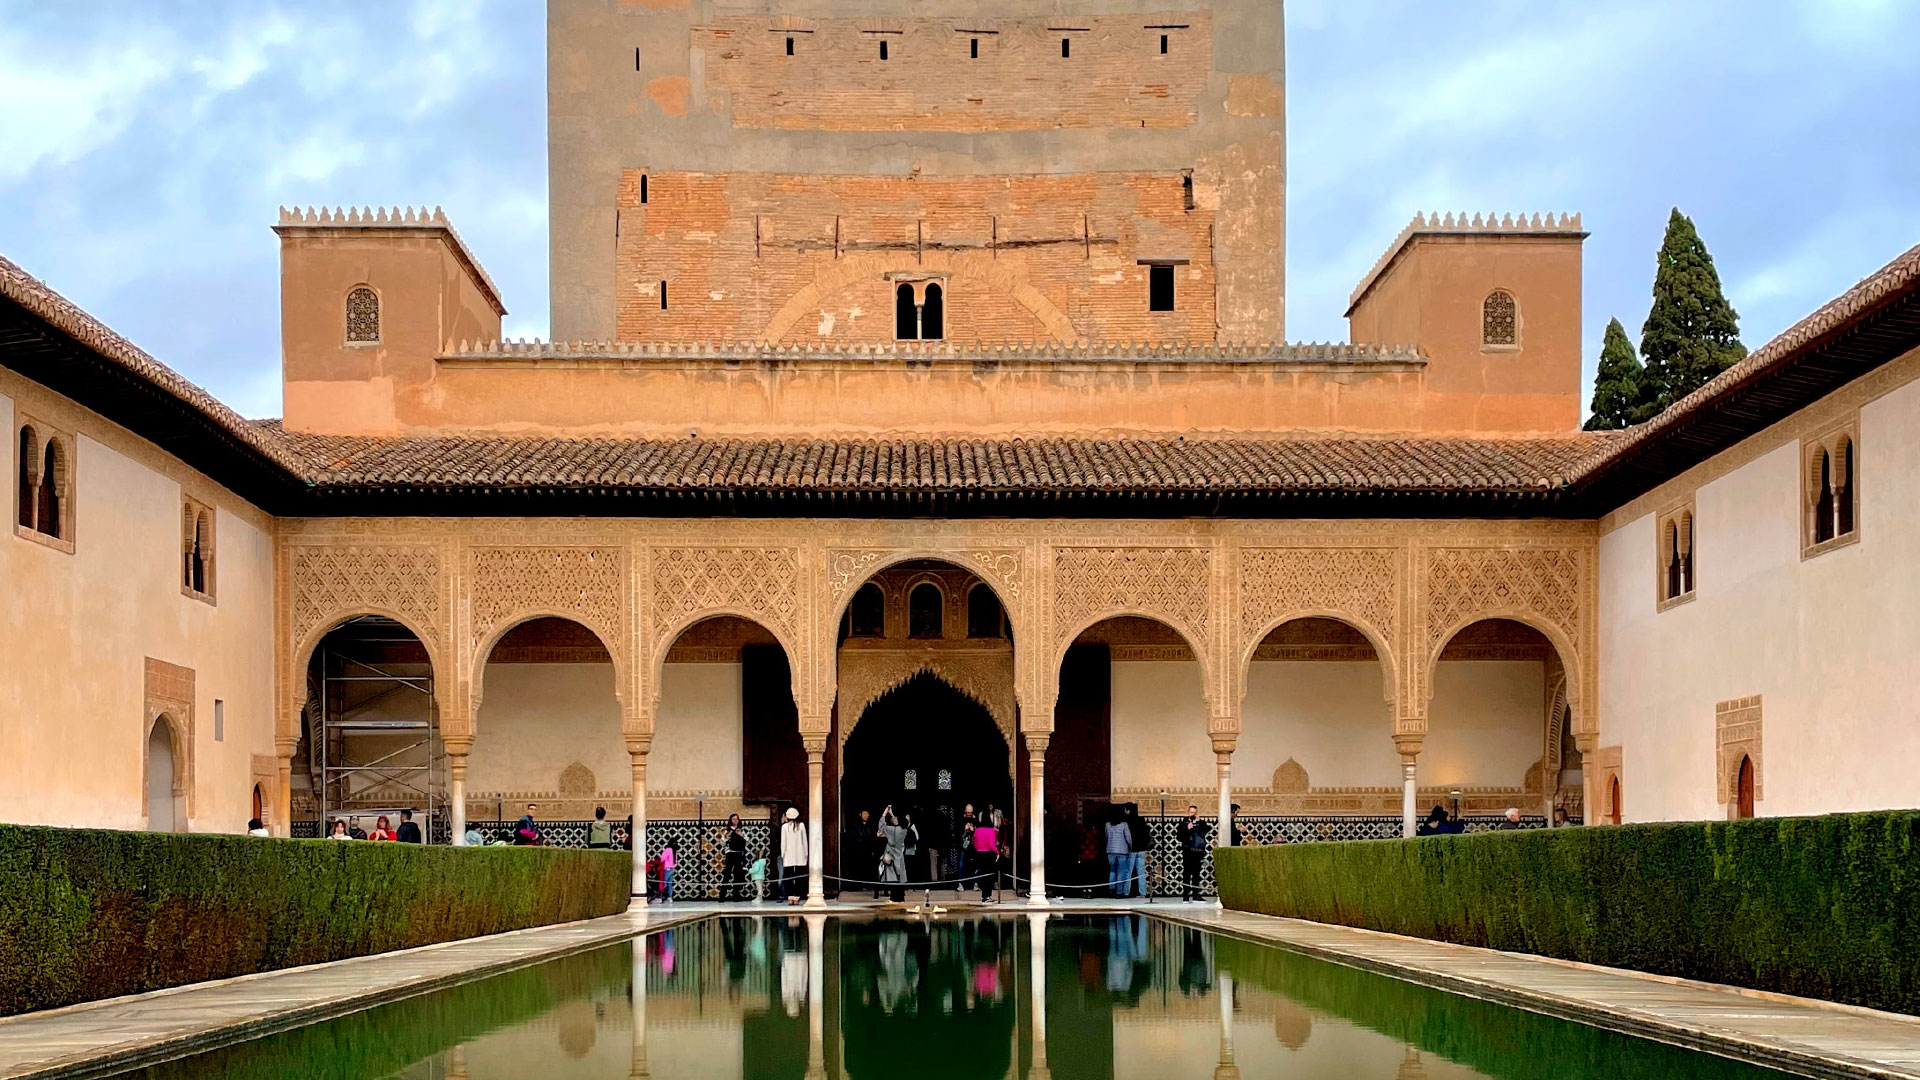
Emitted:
<point x="147" y="147"/>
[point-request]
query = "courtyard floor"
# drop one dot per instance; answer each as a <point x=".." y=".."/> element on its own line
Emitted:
<point x="1809" y="1037"/>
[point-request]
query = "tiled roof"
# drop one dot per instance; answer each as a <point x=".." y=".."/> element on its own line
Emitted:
<point x="960" y="465"/>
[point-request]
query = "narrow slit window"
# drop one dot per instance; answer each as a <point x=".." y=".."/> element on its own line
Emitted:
<point x="973" y="48"/>
<point x="663" y="296"/>
<point x="1823" y="505"/>
<point x="1843" y="492"/>
<point x="883" y="50"/>
<point x="26" y="495"/>
<point x="636" y="58"/>
<point x="1160" y="287"/>
<point x="1163" y="44"/>
<point x="643" y="181"/>
<point x="52" y="477"/>
<point x="1066" y="48"/>
<point x="789" y="46"/>
<point x="1673" y="559"/>
<point x="1186" y="191"/>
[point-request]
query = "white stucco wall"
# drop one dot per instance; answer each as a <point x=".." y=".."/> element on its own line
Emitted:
<point x="1831" y="643"/>
<point x="696" y="736"/>
<point x="1159" y="724"/>
<point x="77" y="630"/>
<point x="1330" y="716"/>
<point x="537" y="719"/>
<point x="1486" y="724"/>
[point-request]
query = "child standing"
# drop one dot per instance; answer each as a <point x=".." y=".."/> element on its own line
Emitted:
<point x="666" y="872"/>
<point x="757" y="873"/>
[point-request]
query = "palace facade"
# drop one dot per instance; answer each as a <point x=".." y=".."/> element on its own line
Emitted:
<point x="919" y="430"/>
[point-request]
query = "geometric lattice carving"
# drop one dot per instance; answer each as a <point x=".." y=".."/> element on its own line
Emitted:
<point x="328" y="582"/>
<point x="763" y="582"/>
<point x="363" y="315"/>
<point x="1291" y="778"/>
<point x="577" y="781"/>
<point x="1463" y="582"/>
<point x="1499" y="319"/>
<point x="585" y="584"/>
<point x="1360" y="582"/>
<point x="1167" y="583"/>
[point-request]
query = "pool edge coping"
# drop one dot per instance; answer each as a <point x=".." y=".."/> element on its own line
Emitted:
<point x="1797" y="1058"/>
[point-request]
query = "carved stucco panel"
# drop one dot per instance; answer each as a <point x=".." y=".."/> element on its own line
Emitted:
<point x="1551" y="586"/>
<point x="986" y="678"/>
<point x="759" y="583"/>
<point x="328" y="582"/>
<point x="586" y="583"/>
<point x="1361" y="585"/>
<point x="1167" y="583"/>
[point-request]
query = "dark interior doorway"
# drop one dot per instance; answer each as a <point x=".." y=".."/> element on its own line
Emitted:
<point x="926" y="748"/>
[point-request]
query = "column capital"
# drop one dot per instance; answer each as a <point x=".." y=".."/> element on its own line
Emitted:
<point x="1408" y="745"/>
<point x="1586" y="741"/>
<point x="285" y="748"/>
<point x="458" y="746"/>
<point x="815" y="745"/>
<point x="639" y="745"/>
<point x="1037" y="744"/>
<point x="1224" y="745"/>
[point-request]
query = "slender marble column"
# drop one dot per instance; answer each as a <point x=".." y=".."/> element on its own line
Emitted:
<point x="638" y="1063"/>
<point x="816" y="808"/>
<point x="1037" y="819"/>
<point x="456" y="788"/>
<point x="1409" y="794"/>
<point x="283" y="797"/>
<point x="638" y="752"/>
<point x="816" y="994"/>
<point x="1220" y="757"/>
<point x="1037" y="978"/>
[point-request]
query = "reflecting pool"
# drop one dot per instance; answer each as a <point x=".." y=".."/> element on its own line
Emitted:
<point x="1096" y="997"/>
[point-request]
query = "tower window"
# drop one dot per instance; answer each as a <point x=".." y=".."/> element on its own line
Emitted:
<point x="363" y="315"/>
<point x="643" y="176"/>
<point x="1163" y="44"/>
<point x="906" y="315"/>
<point x="1066" y="45"/>
<point x="1186" y="190"/>
<point x="789" y="46"/>
<point x="883" y="50"/>
<point x="663" y="296"/>
<point x="933" y="314"/>
<point x="974" y="48"/>
<point x="1499" y="323"/>
<point x="1160" y="287"/>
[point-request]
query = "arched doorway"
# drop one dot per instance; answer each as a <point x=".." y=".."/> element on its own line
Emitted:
<point x="1495" y="723"/>
<point x="259" y="804"/>
<point x="927" y="749"/>
<point x="162" y="773"/>
<point x="1613" y="800"/>
<point x="370" y="731"/>
<point x="1743" y="806"/>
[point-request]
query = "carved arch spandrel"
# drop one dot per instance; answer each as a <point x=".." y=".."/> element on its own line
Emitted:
<point x="1359" y="586"/>
<point x="1171" y="584"/>
<point x="1552" y="588"/>
<point x="762" y="584"/>
<point x="506" y="585"/>
<point x="328" y="583"/>
<point x="1006" y="569"/>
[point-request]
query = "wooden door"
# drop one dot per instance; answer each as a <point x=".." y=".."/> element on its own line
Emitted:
<point x="1744" y="808"/>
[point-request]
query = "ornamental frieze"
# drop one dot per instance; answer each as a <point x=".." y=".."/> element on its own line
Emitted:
<point x="327" y="583"/>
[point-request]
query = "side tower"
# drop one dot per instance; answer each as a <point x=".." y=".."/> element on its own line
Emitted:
<point x="1493" y="303"/>
<point x="1020" y="171"/>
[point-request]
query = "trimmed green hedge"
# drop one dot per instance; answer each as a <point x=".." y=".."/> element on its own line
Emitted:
<point x="1824" y="907"/>
<point x="88" y="913"/>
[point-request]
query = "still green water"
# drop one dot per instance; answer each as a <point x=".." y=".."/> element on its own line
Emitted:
<point x="967" y="998"/>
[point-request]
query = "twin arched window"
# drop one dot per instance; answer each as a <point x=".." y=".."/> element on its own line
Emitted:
<point x="1499" y="319"/>
<point x="1833" y="497"/>
<point x="196" y="548"/>
<point x="1677" y="548"/>
<point x="363" y="315"/>
<point x="919" y="319"/>
<point x="43" y="498"/>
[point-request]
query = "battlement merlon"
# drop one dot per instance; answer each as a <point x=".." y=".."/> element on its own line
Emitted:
<point x="398" y="220"/>
<point x="1437" y="224"/>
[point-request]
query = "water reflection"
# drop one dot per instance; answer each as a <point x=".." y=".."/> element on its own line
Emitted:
<point x="978" y="998"/>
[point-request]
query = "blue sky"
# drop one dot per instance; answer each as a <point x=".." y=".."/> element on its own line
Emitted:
<point x="146" y="146"/>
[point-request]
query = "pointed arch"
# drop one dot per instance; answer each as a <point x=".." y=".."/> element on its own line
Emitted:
<point x="1382" y="647"/>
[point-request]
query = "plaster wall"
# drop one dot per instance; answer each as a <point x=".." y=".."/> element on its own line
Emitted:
<point x="1829" y="642"/>
<point x="537" y="719"/>
<point x="684" y="86"/>
<point x="1159" y="724"/>
<point x="78" y="628"/>
<point x="1329" y="716"/>
<point x="697" y="739"/>
<point x="1486" y="725"/>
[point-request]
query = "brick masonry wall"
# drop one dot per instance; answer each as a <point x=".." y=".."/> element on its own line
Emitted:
<point x="759" y="256"/>
<point x="958" y="74"/>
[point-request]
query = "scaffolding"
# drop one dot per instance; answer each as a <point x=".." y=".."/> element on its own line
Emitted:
<point x="352" y="725"/>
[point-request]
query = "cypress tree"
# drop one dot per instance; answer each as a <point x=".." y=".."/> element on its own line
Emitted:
<point x="1617" y="386"/>
<point x="1692" y="333"/>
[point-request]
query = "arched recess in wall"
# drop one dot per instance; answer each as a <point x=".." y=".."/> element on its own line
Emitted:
<point x="50" y="516"/>
<point x="1498" y="688"/>
<point x="26" y="489"/>
<point x="547" y="725"/>
<point x="166" y="776"/>
<point x="369" y="721"/>
<point x="796" y="319"/>
<point x="726" y="739"/>
<point x="1317" y="711"/>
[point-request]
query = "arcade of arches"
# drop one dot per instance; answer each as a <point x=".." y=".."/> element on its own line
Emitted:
<point x="1051" y="668"/>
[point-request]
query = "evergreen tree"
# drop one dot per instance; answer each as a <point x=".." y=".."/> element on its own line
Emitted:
<point x="1692" y="333"/>
<point x="1617" y="386"/>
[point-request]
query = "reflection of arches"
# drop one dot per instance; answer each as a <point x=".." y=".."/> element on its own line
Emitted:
<point x="166" y="776"/>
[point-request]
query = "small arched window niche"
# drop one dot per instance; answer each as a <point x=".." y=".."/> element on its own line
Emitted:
<point x="196" y="549"/>
<point x="1674" y="562"/>
<point x="1499" y="321"/>
<point x="919" y="308"/>
<point x="363" y="316"/>
<point x="985" y="617"/>
<point x="867" y="615"/>
<point x="926" y="615"/>
<point x="1830" y="481"/>
<point x="43" y="484"/>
